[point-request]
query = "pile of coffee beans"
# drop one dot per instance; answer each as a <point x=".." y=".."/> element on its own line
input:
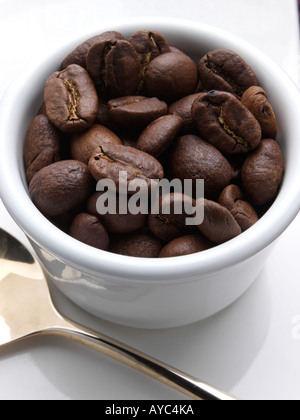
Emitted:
<point x="143" y="108"/>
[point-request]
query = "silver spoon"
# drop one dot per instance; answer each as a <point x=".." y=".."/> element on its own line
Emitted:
<point x="27" y="310"/>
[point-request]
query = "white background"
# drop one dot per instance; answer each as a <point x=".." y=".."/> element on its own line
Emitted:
<point x="251" y="349"/>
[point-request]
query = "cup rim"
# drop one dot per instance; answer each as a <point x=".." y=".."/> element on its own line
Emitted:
<point x="133" y="270"/>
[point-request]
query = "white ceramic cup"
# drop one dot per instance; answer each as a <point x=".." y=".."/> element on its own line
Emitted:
<point x="139" y="292"/>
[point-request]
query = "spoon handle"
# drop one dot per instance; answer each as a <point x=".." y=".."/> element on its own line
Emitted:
<point x="160" y="371"/>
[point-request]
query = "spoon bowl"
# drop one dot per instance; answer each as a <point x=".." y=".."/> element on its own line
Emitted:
<point x="25" y="304"/>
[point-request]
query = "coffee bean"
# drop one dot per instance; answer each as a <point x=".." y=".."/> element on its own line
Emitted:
<point x="193" y="158"/>
<point x="140" y="244"/>
<point x="71" y="99"/>
<point x="149" y="45"/>
<point x="185" y="245"/>
<point x="223" y="121"/>
<point x="219" y="225"/>
<point x="111" y="159"/>
<point x="61" y="187"/>
<point x="116" y="223"/>
<point x="167" y="220"/>
<point x="114" y="67"/>
<point x="88" y="229"/>
<point x="136" y="111"/>
<point x="262" y="172"/>
<point x="224" y="70"/>
<point x="256" y="100"/>
<point x="78" y="55"/>
<point x="123" y="70"/>
<point x="42" y="145"/>
<point x="84" y="144"/>
<point x="232" y="198"/>
<point x="158" y="136"/>
<point x="170" y="77"/>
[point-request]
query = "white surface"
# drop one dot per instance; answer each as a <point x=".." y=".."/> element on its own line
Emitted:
<point x="252" y="348"/>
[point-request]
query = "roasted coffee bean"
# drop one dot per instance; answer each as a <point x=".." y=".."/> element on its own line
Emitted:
<point x="185" y="245"/>
<point x="193" y="158"/>
<point x="78" y="55"/>
<point x="140" y="244"/>
<point x="136" y="111"/>
<point x="167" y="220"/>
<point x="170" y="77"/>
<point x="158" y="136"/>
<point x="256" y="100"/>
<point x="84" y="144"/>
<point x="262" y="172"/>
<point x="232" y="198"/>
<point x="88" y="229"/>
<point x="149" y="45"/>
<point x="183" y="108"/>
<point x="61" y="187"/>
<point x="111" y="159"/>
<point x="223" y="121"/>
<point x="71" y="99"/>
<point x="225" y="70"/>
<point x="114" y="67"/>
<point x="116" y="223"/>
<point x="219" y="225"/>
<point x="42" y="145"/>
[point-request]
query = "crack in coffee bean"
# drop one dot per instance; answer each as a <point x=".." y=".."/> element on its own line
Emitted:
<point x="219" y="71"/>
<point x="95" y="61"/>
<point x="128" y="101"/>
<point x="102" y="155"/>
<point x="222" y="120"/>
<point x="228" y="130"/>
<point x="108" y="47"/>
<point x="74" y="99"/>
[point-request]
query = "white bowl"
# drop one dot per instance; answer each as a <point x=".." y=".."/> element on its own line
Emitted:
<point x="149" y="293"/>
